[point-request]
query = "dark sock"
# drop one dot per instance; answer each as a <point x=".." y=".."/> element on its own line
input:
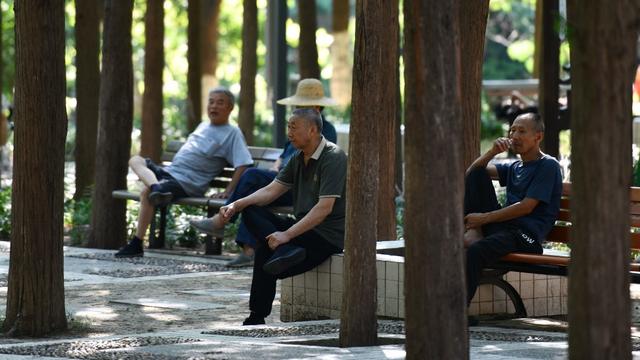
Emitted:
<point x="155" y="188"/>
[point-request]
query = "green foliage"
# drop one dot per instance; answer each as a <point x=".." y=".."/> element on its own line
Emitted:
<point x="77" y="215"/>
<point x="636" y="174"/>
<point x="5" y="213"/>
<point x="7" y="50"/>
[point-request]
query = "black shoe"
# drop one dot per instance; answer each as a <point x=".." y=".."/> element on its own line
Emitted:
<point x="131" y="250"/>
<point x="253" y="319"/>
<point x="284" y="258"/>
<point x="472" y="321"/>
<point x="160" y="199"/>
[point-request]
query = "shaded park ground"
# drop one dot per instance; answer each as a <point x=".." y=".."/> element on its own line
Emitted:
<point x="174" y="304"/>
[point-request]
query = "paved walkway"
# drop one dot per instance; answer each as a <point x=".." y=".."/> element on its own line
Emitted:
<point x="167" y="306"/>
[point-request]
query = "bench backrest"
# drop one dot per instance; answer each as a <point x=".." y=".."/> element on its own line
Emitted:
<point x="263" y="158"/>
<point x="561" y="232"/>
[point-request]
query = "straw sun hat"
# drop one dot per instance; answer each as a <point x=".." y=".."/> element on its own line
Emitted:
<point x="308" y="93"/>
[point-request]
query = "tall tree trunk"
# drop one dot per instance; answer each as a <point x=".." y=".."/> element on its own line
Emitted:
<point x="307" y="49"/>
<point x="434" y="183"/>
<point x="87" y="33"/>
<point x="249" y="69"/>
<point x="548" y="88"/>
<point x="341" y="54"/>
<point x="374" y="73"/>
<point x="399" y="165"/>
<point x="108" y="223"/>
<point x="473" y="23"/>
<point x="603" y="51"/>
<point x="210" y="23"/>
<point x="537" y="39"/>
<point x="194" y="85"/>
<point x="35" y="299"/>
<point x="152" y="102"/>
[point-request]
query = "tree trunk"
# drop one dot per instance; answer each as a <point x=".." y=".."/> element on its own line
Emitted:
<point x="35" y="298"/>
<point x="399" y="165"/>
<point x="341" y="54"/>
<point x="87" y="32"/>
<point x="108" y="223"/>
<point x="434" y="260"/>
<point x="210" y="23"/>
<point x="549" y="72"/>
<point x="307" y="49"/>
<point x="374" y="73"/>
<point x="473" y="23"/>
<point x="152" y="102"/>
<point x="194" y="85"/>
<point x="602" y="70"/>
<point x="249" y="69"/>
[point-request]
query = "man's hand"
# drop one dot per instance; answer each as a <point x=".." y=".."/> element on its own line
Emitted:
<point x="227" y="211"/>
<point x="220" y="195"/>
<point x="500" y="145"/>
<point x="475" y="220"/>
<point x="277" y="238"/>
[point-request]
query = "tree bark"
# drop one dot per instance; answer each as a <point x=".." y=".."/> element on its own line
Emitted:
<point x="108" y="223"/>
<point x="307" y="49"/>
<point x="194" y="74"/>
<point x="35" y="298"/>
<point x="374" y="73"/>
<point x="434" y="266"/>
<point x="249" y="69"/>
<point x="152" y="102"/>
<point x="603" y="52"/>
<point x="473" y="23"/>
<point x="210" y="34"/>
<point x="87" y="33"/>
<point x="341" y="54"/>
<point x="549" y="71"/>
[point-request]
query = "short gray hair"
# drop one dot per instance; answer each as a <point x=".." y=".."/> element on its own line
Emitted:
<point x="312" y="116"/>
<point x="224" y="91"/>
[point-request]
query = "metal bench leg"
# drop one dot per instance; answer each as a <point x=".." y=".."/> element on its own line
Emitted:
<point x="158" y="242"/>
<point x="212" y="246"/>
<point x="512" y="293"/>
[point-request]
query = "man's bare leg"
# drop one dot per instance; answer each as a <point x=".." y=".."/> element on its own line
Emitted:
<point x="139" y="166"/>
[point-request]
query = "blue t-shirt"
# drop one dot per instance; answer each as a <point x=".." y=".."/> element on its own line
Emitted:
<point x="207" y="151"/>
<point x="540" y="180"/>
<point x="328" y="131"/>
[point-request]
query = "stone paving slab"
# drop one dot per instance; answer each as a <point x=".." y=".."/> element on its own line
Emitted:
<point x="218" y="293"/>
<point x="168" y="303"/>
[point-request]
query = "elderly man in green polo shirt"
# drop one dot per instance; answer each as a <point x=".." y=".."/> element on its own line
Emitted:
<point x="316" y="174"/>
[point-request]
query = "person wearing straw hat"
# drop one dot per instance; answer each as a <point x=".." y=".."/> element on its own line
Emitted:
<point x="309" y="94"/>
<point x="316" y="176"/>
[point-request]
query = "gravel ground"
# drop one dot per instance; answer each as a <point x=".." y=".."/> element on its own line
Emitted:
<point x="102" y="349"/>
<point x="149" y="266"/>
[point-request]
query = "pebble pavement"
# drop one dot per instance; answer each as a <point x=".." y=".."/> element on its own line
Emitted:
<point x="105" y="327"/>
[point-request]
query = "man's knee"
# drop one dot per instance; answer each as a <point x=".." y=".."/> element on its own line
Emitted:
<point x="137" y="160"/>
<point x="477" y="173"/>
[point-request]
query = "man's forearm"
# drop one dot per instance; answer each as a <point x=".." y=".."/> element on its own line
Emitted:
<point x="482" y="161"/>
<point x="312" y="219"/>
<point x="262" y="197"/>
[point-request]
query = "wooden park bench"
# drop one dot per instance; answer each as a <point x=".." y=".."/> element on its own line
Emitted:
<point x="263" y="158"/>
<point x="554" y="262"/>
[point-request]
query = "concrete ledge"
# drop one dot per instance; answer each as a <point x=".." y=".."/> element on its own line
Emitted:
<point x="317" y="294"/>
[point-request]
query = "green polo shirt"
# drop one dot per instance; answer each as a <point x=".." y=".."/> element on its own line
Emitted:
<point x="323" y="176"/>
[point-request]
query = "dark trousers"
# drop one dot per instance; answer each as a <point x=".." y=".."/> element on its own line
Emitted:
<point x="261" y="223"/>
<point x="252" y="180"/>
<point x="499" y="239"/>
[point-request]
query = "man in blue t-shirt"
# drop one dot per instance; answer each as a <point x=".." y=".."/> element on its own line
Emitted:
<point x="309" y="94"/>
<point x="534" y="187"/>
<point x="204" y="155"/>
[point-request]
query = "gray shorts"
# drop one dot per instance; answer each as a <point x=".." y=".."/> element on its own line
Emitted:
<point x="166" y="182"/>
